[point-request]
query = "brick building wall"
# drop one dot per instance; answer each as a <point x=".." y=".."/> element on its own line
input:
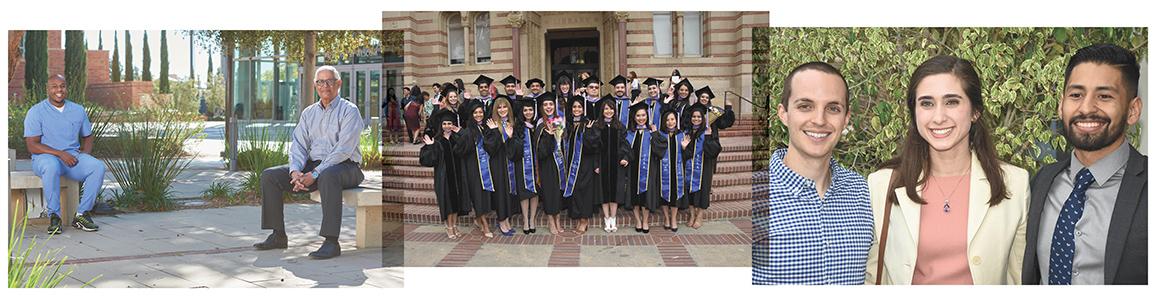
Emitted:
<point x="101" y="89"/>
<point x="725" y="65"/>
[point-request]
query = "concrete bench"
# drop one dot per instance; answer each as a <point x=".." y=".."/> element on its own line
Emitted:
<point x="19" y="182"/>
<point x="367" y="201"/>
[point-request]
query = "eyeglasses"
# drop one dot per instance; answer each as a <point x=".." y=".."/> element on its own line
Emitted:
<point x="327" y="83"/>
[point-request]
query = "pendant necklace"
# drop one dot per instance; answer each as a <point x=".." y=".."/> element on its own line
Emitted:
<point x="947" y="197"/>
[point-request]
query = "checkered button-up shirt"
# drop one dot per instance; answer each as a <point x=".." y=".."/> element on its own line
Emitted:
<point x="800" y="238"/>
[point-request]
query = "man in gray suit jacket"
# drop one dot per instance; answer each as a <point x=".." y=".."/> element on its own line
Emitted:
<point x="1088" y="218"/>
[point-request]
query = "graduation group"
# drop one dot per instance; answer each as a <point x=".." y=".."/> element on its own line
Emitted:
<point x="570" y="148"/>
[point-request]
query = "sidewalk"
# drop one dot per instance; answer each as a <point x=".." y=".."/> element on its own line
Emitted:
<point x="213" y="248"/>
<point x="723" y="243"/>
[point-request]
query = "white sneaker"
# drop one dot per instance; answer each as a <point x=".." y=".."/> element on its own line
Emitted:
<point x="606" y="224"/>
<point x="613" y="224"/>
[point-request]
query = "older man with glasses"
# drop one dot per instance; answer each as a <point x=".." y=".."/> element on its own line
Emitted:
<point x="324" y="156"/>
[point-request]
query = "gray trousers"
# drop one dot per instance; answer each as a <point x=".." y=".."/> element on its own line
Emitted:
<point x="275" y="181"/>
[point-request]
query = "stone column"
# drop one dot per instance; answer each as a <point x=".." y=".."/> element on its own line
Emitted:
<point x="516" y="20"/>
<point x="620" y="18"/>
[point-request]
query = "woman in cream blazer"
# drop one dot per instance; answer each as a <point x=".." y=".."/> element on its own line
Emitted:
<point x="995" y="234"/>
<point x="946" y="129"/>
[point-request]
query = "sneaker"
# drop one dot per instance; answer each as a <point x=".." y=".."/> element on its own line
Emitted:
<point x="613" y="224"/>
<point x="84" y="222"/>
<point x="54" y="225"/>
<point x="606" y="224"/>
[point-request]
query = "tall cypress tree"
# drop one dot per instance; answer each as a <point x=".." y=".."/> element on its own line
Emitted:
<point x="146" y="68"/>
<point x="164" y="63"/>
<point x="128" y="69"/>
<point x="99" y="40"/>
<point x="35" y="64"/>
<point x="115" y="58"/>
<point x="209" y="75"/>
<point x="75" y="64"/>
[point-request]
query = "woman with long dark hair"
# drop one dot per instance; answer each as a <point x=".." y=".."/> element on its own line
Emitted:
<point x="547" y="134"/>
<point x="701" y="149"/>
<point x="581" y="147"/>
<point x="672" y="180"/>
<point x="525" y="154"/>
<point x="642" y="150"/>
<point x="950" y="211"/>
<point x="438" y="153"/>
<point x="611" y="177"/>
<point x="479" y="178"/>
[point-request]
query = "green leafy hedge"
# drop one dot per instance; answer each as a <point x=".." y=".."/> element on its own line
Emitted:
<point x="1022" y="70"/>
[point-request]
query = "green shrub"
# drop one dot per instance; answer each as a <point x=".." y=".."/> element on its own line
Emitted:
<point x="30" y="266"/>
<point x="260" y="148"/>
<point x="153" y="157"/>
<point x="1022" y="71"/>
<point x="370" y="144"/>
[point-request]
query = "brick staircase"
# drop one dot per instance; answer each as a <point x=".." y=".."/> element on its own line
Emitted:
<point x="409" y="186"/>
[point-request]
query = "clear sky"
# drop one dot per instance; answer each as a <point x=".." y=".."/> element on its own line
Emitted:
<point x="178" y="51"/>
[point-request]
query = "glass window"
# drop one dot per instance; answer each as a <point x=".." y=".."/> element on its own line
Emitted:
<point x="262" y="105"/>
<point x="457" y="40"/>
<point x="692" y="34"/>
<point x="482" y="37"/>
<point x="663" y="33"/>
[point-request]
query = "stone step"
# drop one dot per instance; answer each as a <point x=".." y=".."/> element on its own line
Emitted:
<point x="740" y="156"/>
<point x="729" y="144"/>
<point x="427" y="183"/>
<point x="428" y="214"/>
<point x="412" y="196"/>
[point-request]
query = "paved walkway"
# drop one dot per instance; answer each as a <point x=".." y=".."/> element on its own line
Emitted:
<point x="723" y="243"/>
<point x="212" y="248"/>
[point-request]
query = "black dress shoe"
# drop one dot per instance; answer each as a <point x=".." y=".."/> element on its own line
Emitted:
<point x="273" y="242"/>
<point x="674" y="230"/>
<point x="645" y="231"/>
<point x="638" y="230"/>
<point x="526" y="232"/>
<point x="329" y="249"/>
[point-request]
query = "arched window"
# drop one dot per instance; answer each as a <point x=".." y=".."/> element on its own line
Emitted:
<point x="456" y="39"/>
<point x="482" y="37"/>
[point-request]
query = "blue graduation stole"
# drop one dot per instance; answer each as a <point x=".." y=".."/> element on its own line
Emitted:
<point x="528" y="161"/>
<point x="624" y="110"/>
<point x="484" y="164"/>
<point x="509" y="164"/>
<point x="666" y="163"/>
<point x="572" y="171"/>
<point x="694" y="168"/>
<point x="655" y="112"/>
<point x="644" y="162"/>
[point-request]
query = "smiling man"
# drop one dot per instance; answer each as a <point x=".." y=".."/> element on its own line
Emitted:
<point x="53" y="130"/>
<point x="812" y="217"/>
<point x="324" y="156"/>
<point x="1088" y="218"/>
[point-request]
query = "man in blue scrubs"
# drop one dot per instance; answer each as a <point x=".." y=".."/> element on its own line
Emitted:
<point x="53" y="131"/>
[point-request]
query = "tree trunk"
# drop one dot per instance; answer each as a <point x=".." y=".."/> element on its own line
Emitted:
<point x="14" y="57"/>
<point x="309" y="63"/>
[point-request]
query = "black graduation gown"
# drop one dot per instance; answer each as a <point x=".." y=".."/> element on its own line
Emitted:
<point x="710" y="151"/>
<point x="518" y="154"/>
<point x="670" y="152"/>
<point x="632" y="153"/>
<point x="464" y="147"/>
<point x="502" y="198"/>
<point x="582" y="198"/>
<point x="447" y="176"/>
<point x="549" y="182"/>
<point x="611" y="176"/>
